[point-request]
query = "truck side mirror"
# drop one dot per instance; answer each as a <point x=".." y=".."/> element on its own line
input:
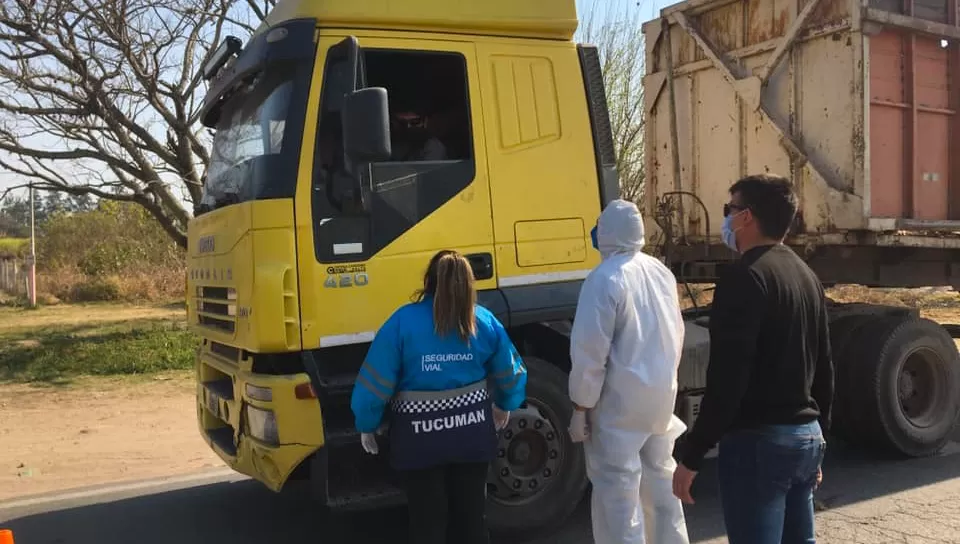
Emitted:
<point x="366" y="126"/>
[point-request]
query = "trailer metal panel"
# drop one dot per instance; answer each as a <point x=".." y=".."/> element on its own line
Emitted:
<point x="854" y="100"/>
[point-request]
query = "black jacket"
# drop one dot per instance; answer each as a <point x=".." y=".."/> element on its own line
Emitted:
<point x="770" y="360"/>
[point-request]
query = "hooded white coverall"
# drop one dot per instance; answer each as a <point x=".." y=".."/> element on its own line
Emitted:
<point x="625" y="347"/>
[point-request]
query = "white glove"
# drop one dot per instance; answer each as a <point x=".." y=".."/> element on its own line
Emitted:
<point x="578" y="426"/>
<point x="500" y="418"/>
<point x="369" y="443"/>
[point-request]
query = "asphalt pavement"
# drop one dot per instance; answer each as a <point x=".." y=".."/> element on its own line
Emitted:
<point x="868" y="499"/>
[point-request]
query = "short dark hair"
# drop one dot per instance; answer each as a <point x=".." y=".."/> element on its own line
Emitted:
<point x="771" y="200"/>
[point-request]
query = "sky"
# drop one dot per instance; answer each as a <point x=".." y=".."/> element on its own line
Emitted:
<point x="648" y="9"/>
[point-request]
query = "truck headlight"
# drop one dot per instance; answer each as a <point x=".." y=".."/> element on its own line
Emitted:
<point x="263" y="394"/>
<point x="262" y="425"/>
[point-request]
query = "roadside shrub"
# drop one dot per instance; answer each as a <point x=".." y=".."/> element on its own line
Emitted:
<point x="97" y="289"/>
<point x="13" y="247"/>
<point x="116" y="252"/>
<point x="112" y="239"/>
<point x="46" y="299"/>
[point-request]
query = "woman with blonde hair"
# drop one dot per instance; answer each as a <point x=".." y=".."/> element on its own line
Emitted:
<point x="431" y="363"/>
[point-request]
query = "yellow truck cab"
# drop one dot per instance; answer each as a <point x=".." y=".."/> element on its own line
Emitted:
<point x="353" y="140"/>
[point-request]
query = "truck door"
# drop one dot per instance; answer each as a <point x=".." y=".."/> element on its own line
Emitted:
<point x="540" y="148"/>
<point x="360" y="263"/>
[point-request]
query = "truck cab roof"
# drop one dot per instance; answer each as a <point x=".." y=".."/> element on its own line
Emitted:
<point x="545" y="19"/>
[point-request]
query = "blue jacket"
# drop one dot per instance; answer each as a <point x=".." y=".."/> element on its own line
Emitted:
<point x="407" y="355"/>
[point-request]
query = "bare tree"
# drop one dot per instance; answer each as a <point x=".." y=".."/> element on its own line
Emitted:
<point x="615" y="30"/>
<point x="102" y="97"/>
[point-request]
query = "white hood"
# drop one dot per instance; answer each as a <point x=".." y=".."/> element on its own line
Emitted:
<point x="620" y="229"/>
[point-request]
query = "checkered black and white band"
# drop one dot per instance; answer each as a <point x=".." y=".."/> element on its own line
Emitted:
<point x="425" y="402"/>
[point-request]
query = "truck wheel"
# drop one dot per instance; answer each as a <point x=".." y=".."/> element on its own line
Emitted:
<point x="539" y="476"/>
<point x="908" y="385"/>
<point x="843" y="335"/>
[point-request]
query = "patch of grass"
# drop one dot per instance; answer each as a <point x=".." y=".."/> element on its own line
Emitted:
<point x="57" y="352"/>
<point x="13" y="247"/>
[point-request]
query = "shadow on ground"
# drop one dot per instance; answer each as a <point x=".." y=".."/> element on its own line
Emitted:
<point x="245" y="513"/>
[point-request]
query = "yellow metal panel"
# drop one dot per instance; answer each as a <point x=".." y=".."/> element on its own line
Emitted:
<point x="553" y="19"/>
<point x="252" y="253"/>
<point x="223" y="227"/>
<point x="218" y="255"/>
<point x="332" y="316"/>
<point x="556" y="241"/>
<point x="299" y="422"/>
<point x="274" y="315"/>
<point x="275" y="213"/>
<point x="542" y="166"/>
<point x="526" y="101"/>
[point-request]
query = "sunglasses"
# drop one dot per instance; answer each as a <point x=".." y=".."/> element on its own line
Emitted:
<point x="727" y="208"/>
<point x="410" y="121"/>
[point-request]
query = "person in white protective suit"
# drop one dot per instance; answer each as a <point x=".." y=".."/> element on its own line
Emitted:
<point x="625" y="347"/>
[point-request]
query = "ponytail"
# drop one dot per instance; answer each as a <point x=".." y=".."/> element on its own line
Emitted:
<point x="449" y="280"/>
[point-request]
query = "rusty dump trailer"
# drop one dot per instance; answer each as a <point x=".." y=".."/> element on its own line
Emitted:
<point x="856" y="101"/>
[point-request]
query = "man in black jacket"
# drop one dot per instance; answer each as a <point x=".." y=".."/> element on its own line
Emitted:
<point x="770" y="378"/>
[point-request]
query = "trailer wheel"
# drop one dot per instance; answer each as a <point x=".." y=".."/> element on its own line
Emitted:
<point x="908" y="376"/>
<point x="539" y="477"/>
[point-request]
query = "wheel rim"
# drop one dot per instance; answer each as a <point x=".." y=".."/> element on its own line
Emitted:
<point x="921" y="387"/>
<point x="530" y="453"/>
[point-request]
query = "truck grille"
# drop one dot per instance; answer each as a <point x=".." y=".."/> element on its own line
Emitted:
<point x="217" y="308"/>
<point x="229" y="353"/>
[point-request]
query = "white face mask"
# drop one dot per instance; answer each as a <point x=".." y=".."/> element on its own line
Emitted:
<point x="728" y="233"/>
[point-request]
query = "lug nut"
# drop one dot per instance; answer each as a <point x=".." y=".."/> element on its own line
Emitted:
<point x="533" y="484"/>
<point x="537" y="424"/>
<point x="550" y="436"/>
<point x="547" y="473"/>
<point x="553" y="454"/>
<point x="517" y="484"/>
<point x="504" y="471"/>
<point x="502" y="453"/>
<point x="508" y="435"/>
<point x="522" y="424"/>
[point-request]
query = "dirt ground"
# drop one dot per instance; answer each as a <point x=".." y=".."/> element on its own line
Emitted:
<point x="98" y="431"/>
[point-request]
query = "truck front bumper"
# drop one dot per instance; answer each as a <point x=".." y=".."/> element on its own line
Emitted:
<point x="260" y="425"/>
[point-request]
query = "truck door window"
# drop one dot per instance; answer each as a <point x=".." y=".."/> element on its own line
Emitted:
<point x="431" y="140"/>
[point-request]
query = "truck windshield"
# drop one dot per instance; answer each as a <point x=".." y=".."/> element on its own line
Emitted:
<point x="257" y="136"/>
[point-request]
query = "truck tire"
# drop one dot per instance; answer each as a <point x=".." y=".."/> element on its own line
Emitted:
<point x="844" y="333"/>
<point x="907" y="385"/>
<point x="539" y="477"/>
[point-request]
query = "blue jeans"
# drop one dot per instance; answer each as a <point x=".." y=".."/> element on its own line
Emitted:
<point x="767" y="476"/>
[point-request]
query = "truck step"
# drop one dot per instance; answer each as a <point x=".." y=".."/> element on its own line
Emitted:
<point x="340" y="437"/>
<point x="338" y="384"/>
<point x="367" y="499"/>
<point x="356" y="476"/>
